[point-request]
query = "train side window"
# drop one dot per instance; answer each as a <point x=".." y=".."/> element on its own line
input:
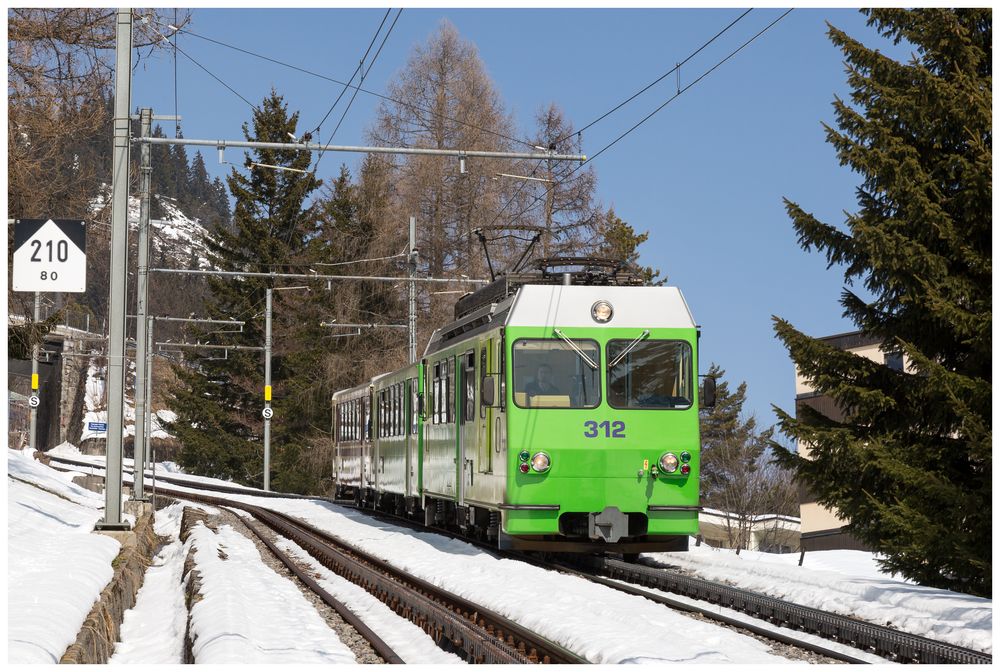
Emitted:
<point x="397" y="415"/>
<point x="413" y="405"/>
<point x="469" y="387"/>
<point x="451" y="389"/>
<point x="436" y="400"/>
<point x="367" y="417"/>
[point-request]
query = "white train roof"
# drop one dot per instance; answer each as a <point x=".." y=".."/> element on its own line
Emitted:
<point x="570" y="305"/>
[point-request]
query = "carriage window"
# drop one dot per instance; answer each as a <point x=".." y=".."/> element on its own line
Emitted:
<point x="653" y="374"/>
<point x="450" y="391"/>
<point x="469" y="386"/>
<point x="548" y="373"/>
<point x="413" y="405"/>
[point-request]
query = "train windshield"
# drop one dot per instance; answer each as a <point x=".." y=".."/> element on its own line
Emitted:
<point x="651" y="374"/>
<point x="557" y="373"/>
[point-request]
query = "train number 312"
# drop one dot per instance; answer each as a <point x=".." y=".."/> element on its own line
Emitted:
<point x="612" y="430"/>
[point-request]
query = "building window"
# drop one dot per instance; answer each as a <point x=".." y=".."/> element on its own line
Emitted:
<point x="894" y="360"/>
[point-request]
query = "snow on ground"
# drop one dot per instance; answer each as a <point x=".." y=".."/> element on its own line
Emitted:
<point x="250" y="614"/>
<point x="236" y="624"/>
<point x="597" y="622"/>
<point x="408" y="641"/>
<point x="56" y="568"/>
<point x="850" y="583"/>
<point x="153" y="630"/>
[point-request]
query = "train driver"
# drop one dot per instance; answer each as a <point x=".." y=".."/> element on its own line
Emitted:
<point x="542" y="384"/>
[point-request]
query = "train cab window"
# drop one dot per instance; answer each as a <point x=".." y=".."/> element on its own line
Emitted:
<point x="549" y="373"/>
<point x="368" y="417"/>
<point x="649" y="374"/>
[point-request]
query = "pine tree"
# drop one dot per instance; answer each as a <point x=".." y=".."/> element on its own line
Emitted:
<point x="911" y="464"/>
<point x="736" y="474"/>
<point x="219" y="401"/>
<point x="617" y="240"/>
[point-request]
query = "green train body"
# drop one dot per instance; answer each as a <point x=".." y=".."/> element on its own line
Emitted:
<point x="532" y="422"/>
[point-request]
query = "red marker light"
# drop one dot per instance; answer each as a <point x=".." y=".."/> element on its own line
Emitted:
<point x="524" y="467"/>
<point x="685" y="469"/>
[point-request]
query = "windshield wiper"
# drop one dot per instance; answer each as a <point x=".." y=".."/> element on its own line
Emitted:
<point x="580" y="352"/>
<point x="631" y="346"/>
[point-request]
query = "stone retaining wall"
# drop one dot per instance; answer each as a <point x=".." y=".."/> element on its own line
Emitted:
<point x="97" y="638"/>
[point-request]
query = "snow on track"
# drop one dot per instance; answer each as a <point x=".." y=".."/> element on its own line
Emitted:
<point x="849" y="583"/>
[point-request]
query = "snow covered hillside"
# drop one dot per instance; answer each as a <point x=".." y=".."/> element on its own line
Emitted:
<point x="177" y="239"/>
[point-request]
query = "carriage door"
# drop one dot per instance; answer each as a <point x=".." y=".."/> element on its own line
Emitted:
<point x="485" y="433"/>
<point x="467" y="421"/>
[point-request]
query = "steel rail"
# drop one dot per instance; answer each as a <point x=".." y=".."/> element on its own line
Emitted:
<point x="481" y="634"/>
<point x="879" y="639"/>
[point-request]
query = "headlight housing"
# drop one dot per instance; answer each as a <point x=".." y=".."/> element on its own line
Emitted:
<point x="669" y="463"/>
<point x="602" y="311"/>
<point x="540" y="463"/>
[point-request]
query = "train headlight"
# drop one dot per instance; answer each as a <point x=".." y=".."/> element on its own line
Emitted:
<point x="540" y="462"/>
<point x="602" y="311"/>
<point x="669" y="462"/>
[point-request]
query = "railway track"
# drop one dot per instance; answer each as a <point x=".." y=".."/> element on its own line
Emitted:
<point x="894" y="645"/>
<point x="891" y="644"/>
<point x="477" y="634"/>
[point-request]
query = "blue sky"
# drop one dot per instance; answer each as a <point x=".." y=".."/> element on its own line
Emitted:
<point x="705" y="176"/>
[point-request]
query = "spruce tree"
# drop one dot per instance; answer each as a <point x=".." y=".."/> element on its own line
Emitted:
<point x="910" y="465"/>
<point x="219" y="400"/>
<point x="617" y="240"/>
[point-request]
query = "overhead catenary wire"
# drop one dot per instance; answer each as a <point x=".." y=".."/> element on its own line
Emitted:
<point x="609" y="112"/>
<point x="210" y="73"/>
<point x="361" y="65"/>
<point x="658" y="79"/>
<point x="608" y="146"/>
<point x="364" y="73"/>
<point x="311" y="73"/>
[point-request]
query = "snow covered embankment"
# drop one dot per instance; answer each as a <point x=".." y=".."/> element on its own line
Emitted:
<point x="848" y="583"/>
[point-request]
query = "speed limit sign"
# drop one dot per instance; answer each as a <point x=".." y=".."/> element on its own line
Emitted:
<point x="33" y="401"/>
<point x="50" y="255"/>
<point x="268" y="412"/>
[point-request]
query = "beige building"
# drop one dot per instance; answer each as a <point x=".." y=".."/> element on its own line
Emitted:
<point x="821" y="527"/>
<point x="769" y="533"/>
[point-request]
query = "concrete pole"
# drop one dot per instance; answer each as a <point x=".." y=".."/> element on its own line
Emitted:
<point x="412" y="262"/>
<point x="267" y="391"/>
<point x="141" y="298"/>
<point x="119" y="266"/>
<point x="147" y="455"/>
<point x="32" y="411"/>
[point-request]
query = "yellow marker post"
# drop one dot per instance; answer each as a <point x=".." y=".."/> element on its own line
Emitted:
<point x="34" y="381"/>
<point x="267" y="393"/>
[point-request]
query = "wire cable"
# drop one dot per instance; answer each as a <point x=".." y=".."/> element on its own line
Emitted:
<point x="650" y="115"/>
<point x="364" y="73"/>
<point x="361" y="65"/>
<point x="362" y="90"/>
<point x="611" y="111"/>
<point x="234" y="91"/>
<point x="660" y="78"/>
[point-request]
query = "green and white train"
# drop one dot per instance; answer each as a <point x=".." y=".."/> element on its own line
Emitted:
<point x="553" y="414"/>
